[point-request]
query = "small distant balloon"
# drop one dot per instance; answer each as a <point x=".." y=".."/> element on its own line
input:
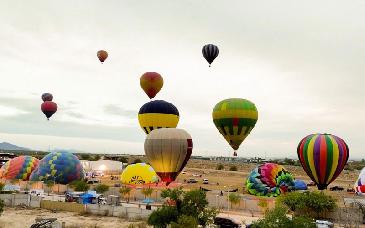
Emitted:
<point x="49" y="108"/>
<point x="151" y="83"/>
<point x="47" y="97"/>
<point x="102" y="55"/>
<point x="210" y="52"/>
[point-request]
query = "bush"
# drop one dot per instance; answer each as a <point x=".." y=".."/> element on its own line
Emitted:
<point x="233" y="168"/>
<point x="101" y="188"/>
<point x="185" y="221"/>
<point x="79" y="186"/>
<point x="163" y="216"/>
<point x="2" y="185"/>
<point x="147" y="192"/>
<point x="220" y="167"/>
<point x="137" y="160"/>
<point x="234" y="198"/>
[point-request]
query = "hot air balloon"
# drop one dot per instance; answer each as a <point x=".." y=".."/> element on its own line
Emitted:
<point x="235" y="118"/>
<point x="139" y="174"/>
<point x="269" y="179"/>
<point x="59" y="167"/>
<point x="210" y="52"/>
<point x="47" y="97"/>
<point x="19" y="168"/>
<point x="49" y="108"/>
<point x="151" y="83"/>
<point x="168" y="150"/>
<point x="157" y="114"/>
<point x="360" y="183"/>
<point x="323" y="157"/>
<point x="102" y="55"/>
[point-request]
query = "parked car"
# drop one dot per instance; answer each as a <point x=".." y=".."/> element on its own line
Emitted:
<point x="205" y="181"/>
<point x="192" y="180"/>
<point x="311" y="183"/>
<point x="224" y="222"/>
<point x="324" y="224"/>
<point x="336" y="188"/>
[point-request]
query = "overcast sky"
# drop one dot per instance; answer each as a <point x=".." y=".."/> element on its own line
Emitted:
<point x="300" y="62"/>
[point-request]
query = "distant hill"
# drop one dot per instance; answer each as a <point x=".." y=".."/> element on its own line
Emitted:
<point x="9" y="146"/>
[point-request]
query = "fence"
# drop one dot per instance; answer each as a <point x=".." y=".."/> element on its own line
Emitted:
<point x="12" y="200"/>
<point x="118" y="211"/>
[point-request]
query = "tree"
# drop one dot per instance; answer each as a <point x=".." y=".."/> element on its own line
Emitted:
<point x="125" y="191"/>
<point x="123" y="159"/>
<point x="234" y="198"/>
<point x="49" y="185"/>
<point x="2" y="185"/>
<point x="137" y="160"/>
<point x="185" y="221"/>
<point x="220" y="167"/>
<point x="277" y="218"/>
<point x="233" y="168"/>
<point x="163" y="216"/>
<point x="80" y="186"/>
<point x="101" y="188"/>
<point x="310" y="203"/>
<point x="262" y="204"/>
<point x="147" y="192"/>
<point x="96" y="157"/>
<point x="85" y="157"/>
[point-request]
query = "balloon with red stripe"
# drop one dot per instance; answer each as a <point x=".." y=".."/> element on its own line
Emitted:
<point x="360" y="183"/>
<point x="323" y="157"/>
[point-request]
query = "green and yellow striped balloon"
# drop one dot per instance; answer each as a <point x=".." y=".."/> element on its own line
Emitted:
<point x="235" y="118"/>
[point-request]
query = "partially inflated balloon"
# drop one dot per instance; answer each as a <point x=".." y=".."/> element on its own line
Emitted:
<point x="323" y="157"/>
<point x="102" y="55"/>
<point x="47" y="97"/>
<point x="235" y="118"/>
<point x="49" y="108"/>
<point x="151" y="83"/>
<point x="360" y="183"/>
<point x="210" y="52"/>
<point x="269" y="179"/>
<point x="158" y="114"/>
<point x="168" y="150"/>
<point x="60" y="167"/>
<point x="139" y="174"/>
<point x="19" y="168"/>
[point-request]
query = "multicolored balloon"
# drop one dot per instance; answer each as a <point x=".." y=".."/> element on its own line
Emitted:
<point x="158" y="114"/>
<point x="360" y="183"/>
<point x="323" y="157"/>
<point x="139" y="174"/>
<point x="235" y="118"/>
<point x="19" y="168"/>
<point x="210" y="52"/>
<point x="60" y="167"/>
<point x="269" y="179"/>
<point x="47" y="97"/>
<point x="102" y="55"/>
<point x="151" y="83"/>
<point x="168" y="150"/>
<point x="49" y="108"/>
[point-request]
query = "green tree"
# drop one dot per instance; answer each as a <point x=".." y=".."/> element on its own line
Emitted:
<point x="123" y="159"/>
<point x="220" y="167"/>
<point x="147" y="192"/>
<point x="79" y="186"/>
<point x="2" y="185"/>
<point x="101" y="188"/>
<point x="125" y="191"/>
<point x="233" y="168"/>
<point x="85" y="157"/>
<point x="310" y="203"/>
<point x="137" y="160"/>
<point x="163" y="216"/>
<point x="234" y="198"/>
<point x="277" y="218"/>
<point x="96" y="157"/>
<point x="185" y="221"/>
<point x="262" y="204"/>
<point x="49" y="185"/>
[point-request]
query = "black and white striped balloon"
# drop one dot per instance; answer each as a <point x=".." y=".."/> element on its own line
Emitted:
<point x="210" y="52"/>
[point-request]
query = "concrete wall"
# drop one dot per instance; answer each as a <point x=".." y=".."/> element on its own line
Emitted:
<point x="62" y="206"/>
<point x="12" y="200"/>
<point x="118" y="211"/>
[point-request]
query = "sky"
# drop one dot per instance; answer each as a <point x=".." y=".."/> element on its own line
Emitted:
<point x="300" y="62"/>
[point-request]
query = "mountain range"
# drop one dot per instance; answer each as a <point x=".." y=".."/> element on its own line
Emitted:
<point x="9" y="146"/>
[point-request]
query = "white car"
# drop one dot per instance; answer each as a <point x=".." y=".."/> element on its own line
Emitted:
<point x="324" y="224"/>
<point x="205" y="181"/>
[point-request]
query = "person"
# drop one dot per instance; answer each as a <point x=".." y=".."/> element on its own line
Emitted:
<point x="221" y="193"/>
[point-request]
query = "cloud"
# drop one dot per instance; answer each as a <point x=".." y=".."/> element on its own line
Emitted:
<point x="119" y="111"/>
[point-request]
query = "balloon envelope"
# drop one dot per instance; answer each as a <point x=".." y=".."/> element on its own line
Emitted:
<point x="47" y="97"/>
<point x="360" y="183"/>
<point x="210" y="52"/>
<point x="139" y="174"/>
<point x="235" y="118"/>
<point x="102" y="55"/>
<point x="168" y="150"/>
<point x="49" y="108"/>
<point x="19" y="168"/>
<point x="269" y="179"/>
<point x="60" y="167"/>
<point x="157" y="114"/>
<point x="151" y="83"/>
<point x="323" y="157"/>
<point x="300" y="185"/>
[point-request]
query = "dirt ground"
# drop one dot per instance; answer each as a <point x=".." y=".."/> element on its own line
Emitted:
<point x="23" y="218"/>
